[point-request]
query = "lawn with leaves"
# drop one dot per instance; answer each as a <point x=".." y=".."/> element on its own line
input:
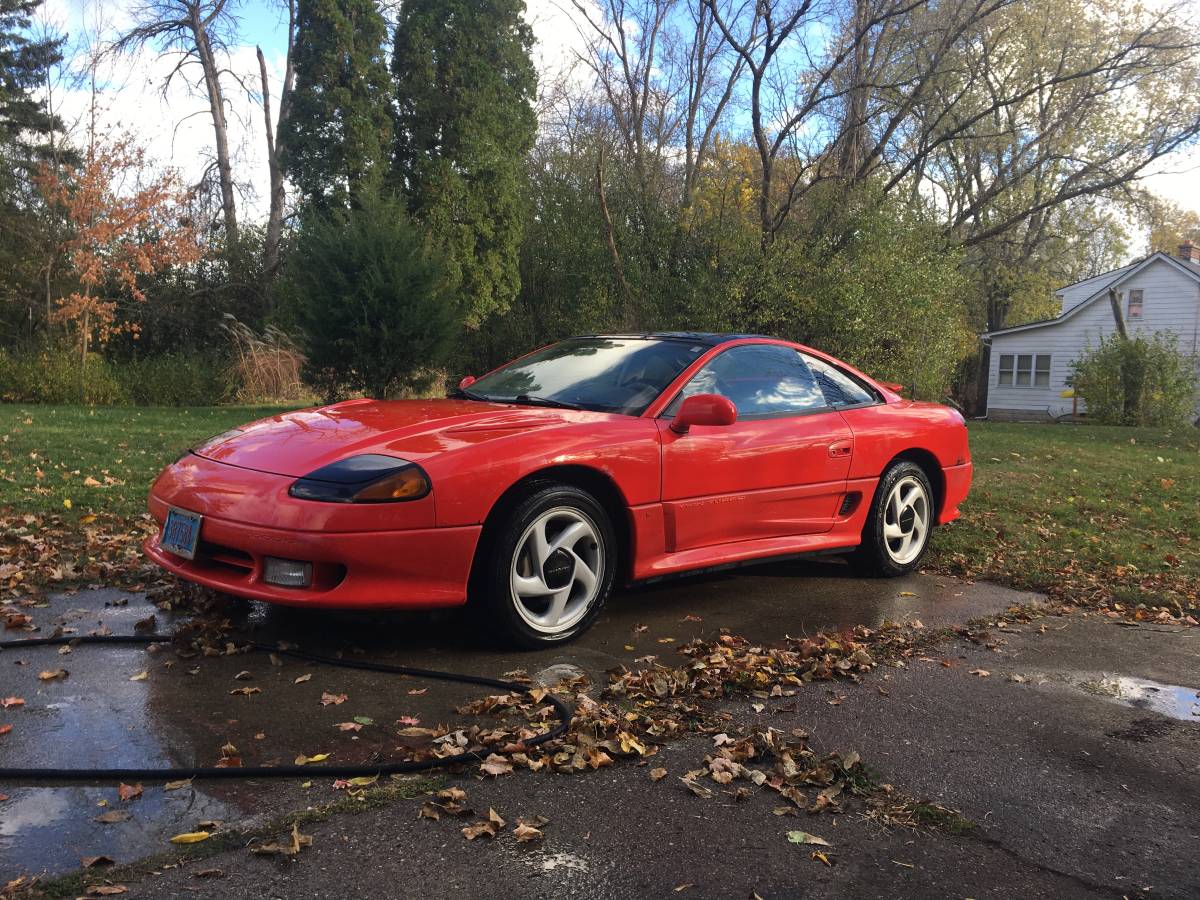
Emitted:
<point x="101" y="459"/>
<point x="1082" y="512"/>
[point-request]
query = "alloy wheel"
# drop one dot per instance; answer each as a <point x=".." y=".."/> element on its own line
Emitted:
<point x="906" y="520"/>
<point x="556" y="571"/>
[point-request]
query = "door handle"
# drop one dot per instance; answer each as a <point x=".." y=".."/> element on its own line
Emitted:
<point x="840" y="448"/>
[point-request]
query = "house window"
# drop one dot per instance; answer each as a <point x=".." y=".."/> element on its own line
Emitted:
<point x="1135" y="305"/>
<point x="1024" y="370"/>
<point x="1006" y="369"/>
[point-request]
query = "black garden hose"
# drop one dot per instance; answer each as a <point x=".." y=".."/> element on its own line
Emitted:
<point x="21" y="774"/>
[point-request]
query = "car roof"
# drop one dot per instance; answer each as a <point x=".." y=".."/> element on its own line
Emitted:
<point x="696" y="337"/>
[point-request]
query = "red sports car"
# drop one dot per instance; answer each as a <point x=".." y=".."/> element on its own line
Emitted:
<point x="532" y="490"/>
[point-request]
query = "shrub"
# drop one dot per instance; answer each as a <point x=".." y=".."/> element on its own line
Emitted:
<point x="174" y="379"/>
<point x="367" y="290"/>
<point x="1136" y="381"/>
<point x="51" y="375"/>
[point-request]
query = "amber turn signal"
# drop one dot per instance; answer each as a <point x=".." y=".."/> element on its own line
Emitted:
<point x="407" y="484"/>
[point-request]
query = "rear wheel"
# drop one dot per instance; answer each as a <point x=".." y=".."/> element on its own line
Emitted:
<point x="900" y="521"/>
<point x="548" y="568"/>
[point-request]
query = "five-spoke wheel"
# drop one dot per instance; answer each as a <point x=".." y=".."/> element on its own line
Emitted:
<point x="898" y="524"/>
<point x="546" y="565"/>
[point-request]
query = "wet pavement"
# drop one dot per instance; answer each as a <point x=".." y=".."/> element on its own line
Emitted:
<point x="1074" y="754"/>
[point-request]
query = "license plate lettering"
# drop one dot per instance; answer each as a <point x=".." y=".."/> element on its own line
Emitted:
<point x="181" y="533"/>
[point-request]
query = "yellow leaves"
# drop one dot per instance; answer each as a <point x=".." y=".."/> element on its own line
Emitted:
<point x="630" y="744"/>
<point x="140" y="676"/>
<point x="53" y="674"/>
<point x="303" y="760"/>
<point x="67" y="502"/>
<point x="191" y="837"/>
<point x="294" y="845"/>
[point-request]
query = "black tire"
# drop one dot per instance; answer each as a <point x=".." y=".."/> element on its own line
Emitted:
<point x="505" y="549"/>
<point x="877" y="554"/>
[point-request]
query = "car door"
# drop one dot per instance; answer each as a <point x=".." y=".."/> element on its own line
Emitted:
<point x="779" y="470"/>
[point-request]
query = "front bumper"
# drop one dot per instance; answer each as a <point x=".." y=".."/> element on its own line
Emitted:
<point x="418" y="569"/>
<point x="369" y="556"/>
<point x="957" y="480"/>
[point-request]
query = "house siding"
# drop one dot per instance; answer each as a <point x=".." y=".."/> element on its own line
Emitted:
<point x="1171" y="302"/>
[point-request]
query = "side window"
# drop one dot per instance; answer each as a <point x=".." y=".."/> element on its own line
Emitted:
<point x="840" y="388"/>
<point x="762" y="380"/>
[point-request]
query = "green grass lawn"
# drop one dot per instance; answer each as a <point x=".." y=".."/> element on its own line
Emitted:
<point x="49" y="453"/>
<point x="1087" y="510"/>
<point x="1068" y="509"/>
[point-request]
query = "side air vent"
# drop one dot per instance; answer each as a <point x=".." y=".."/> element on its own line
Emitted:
<point x="849" y="503"/>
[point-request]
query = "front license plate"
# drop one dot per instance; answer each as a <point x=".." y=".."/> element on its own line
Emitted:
<point x="181" y="533"/>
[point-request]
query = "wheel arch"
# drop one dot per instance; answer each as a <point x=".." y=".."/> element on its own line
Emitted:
<point x="595" y="481"/>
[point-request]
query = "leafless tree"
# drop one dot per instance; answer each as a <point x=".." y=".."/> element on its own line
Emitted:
<point x="199" y="32"/>
<point x="275" y="131"/>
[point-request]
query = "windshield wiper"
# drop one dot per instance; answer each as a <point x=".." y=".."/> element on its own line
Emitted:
<point x="457" y="393"/>
<point x="544" y="401"/>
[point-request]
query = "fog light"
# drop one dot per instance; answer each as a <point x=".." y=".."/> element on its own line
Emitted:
<point x="287" y="572"/>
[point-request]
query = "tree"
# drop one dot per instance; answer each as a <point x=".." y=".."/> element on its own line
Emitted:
<point x="117" y="235"/>
<point x="464" y="125"/>
<point x="368" y="291"/>
<point x="1169" y="224"/>
<point x="336" y="139"/>
<point x="199" y="31"/>
<point x="25" y="123"/>
<point x="275" y="133"/>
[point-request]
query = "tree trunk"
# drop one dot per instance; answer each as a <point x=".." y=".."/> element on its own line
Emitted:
<point x="629" y="317"/>
<point x="216" y="105"/>
<point x="275" y="134"/>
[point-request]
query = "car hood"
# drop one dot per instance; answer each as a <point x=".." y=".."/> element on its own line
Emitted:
<point x="296" y="443"/>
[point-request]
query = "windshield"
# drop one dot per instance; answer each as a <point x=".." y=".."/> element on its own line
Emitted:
<point x="621" y="375"/>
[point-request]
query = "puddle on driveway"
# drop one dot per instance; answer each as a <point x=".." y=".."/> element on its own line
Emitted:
<point x="1174" y="701"/>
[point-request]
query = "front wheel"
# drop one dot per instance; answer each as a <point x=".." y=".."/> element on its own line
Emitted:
<point x="548" y="568"/>
<point x="898" y="526"/>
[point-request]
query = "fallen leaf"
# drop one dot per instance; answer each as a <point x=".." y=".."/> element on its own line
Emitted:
<point x="176" y="785"/>
<point x="666" y="640"/>
<point x="364" y="720"/>
<point x="417" y="692"/>
<point x="140" y="676"/>
<point x="679" y="888"/>
<point x="53" y="674"/>
<point x="818" y="855"/>
<point x="907" y="594"/>
<point x="982" y="673"/>
<point x="303" y="760"/>
<point x="246" y="691"/>
<point x="113" y="816"/>
<point x="303" y="678"/>
<point x="495" y="765"/>
<point x="348" y="726"/>
<point x="291" y="848"/>
<point x="191" y="837"/>
<point x="243" y="675"/>
<point x="658" y="774"/>
<point x="8" y="702"/>
<point x="527" y="833"/>
<point x="105" y="890"/>
<point x="129" y="791"/>
<point x="5" y="729"/>
<point x="94" y="862"/>
<point x="408" y="720"/>
<point x="803" y="837"/>
<point x="328" y="699"/>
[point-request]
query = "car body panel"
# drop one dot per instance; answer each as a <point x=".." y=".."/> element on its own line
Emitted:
<point x="715" y="496"/>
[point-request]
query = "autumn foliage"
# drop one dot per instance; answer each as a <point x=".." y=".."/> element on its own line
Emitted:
<point x="121" y="226"/>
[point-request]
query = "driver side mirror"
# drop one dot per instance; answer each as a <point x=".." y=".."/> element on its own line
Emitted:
<point x="704" y="409"/>
<point x="467" y="381"/>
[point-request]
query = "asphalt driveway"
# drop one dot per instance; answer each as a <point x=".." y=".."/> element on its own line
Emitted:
<point x="1069" y="745"/>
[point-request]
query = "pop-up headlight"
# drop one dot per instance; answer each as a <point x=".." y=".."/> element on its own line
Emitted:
<point x="370" y="478"/>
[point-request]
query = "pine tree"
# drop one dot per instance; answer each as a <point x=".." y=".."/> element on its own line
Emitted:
<point x="338" y="134"/>
<point x="25" y="123"/>
<point x="464" y="124"/>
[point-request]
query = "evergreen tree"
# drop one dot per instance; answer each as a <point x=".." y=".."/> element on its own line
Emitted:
<point x="24" y="121"/>
<point x="338" y="133"/>
<point x="464" y="124"/>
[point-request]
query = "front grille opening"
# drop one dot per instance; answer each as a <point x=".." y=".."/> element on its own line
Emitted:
<point x="227" y="557"/>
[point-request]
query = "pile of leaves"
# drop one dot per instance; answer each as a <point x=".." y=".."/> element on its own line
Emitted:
<point x="45" y="553"/>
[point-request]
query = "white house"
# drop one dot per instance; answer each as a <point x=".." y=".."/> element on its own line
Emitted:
<point x="1029" y="364"/>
